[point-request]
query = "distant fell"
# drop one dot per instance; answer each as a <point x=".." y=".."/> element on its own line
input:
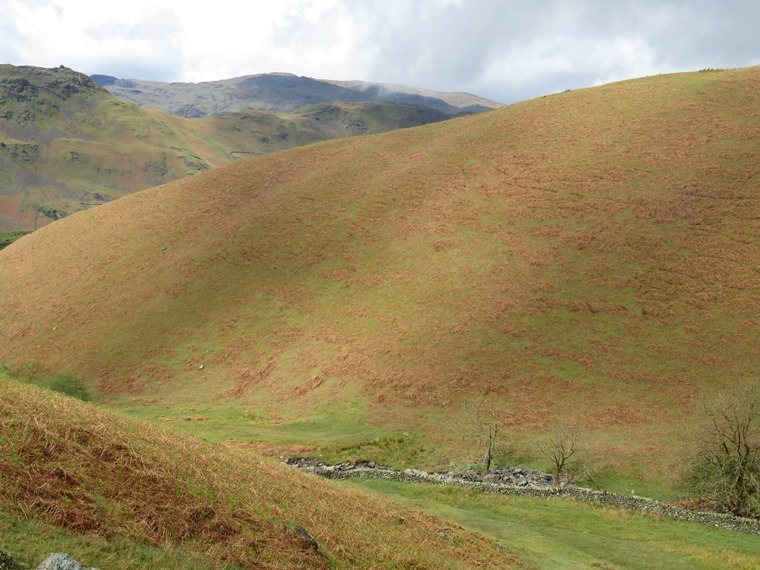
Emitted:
<point x="279" y="93"/>
<point x="67" y="145"/>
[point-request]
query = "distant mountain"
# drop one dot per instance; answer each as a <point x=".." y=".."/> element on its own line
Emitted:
<point x="66" y="144"/>
<point x="279" y="93"/>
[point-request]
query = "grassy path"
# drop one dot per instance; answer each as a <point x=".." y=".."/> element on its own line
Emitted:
<point x="556" y="533"/>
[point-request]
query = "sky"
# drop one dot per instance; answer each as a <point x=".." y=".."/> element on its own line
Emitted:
<point x="504" y="50"/>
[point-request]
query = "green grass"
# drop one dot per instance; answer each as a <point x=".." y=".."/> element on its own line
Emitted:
<point x="565" y="534"/>
<point x="333" y="435"/>
<point x="7" y="238"/>
<point x="62" y="382"/>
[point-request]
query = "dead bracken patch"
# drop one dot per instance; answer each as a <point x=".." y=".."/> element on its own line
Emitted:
<point x="91" y="471"/>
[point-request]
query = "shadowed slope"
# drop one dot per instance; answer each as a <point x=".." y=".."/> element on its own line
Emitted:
<point x="97" y="472"/>
<point x="591" y="254"/>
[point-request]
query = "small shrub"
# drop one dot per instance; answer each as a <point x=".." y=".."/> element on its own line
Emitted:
<point x="68" y="384"/>
<point x="24" y="372"/>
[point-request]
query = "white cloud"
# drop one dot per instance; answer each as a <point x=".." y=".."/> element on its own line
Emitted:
<point x="307" y="37"/>
<point x="506" y="50"/>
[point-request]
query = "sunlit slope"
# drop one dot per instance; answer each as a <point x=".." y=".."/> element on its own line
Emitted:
<point x="592" y="254"/>
<point x="95" y="472"/>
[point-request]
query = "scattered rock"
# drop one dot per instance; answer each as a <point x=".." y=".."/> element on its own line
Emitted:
<point x="10" y="562"/>
<point x="62" y="562"/>
<point x="517" y="476"/>
<point x="303" y="535"/>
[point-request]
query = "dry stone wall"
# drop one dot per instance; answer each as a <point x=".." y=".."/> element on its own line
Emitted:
<point x="369" y="470"/>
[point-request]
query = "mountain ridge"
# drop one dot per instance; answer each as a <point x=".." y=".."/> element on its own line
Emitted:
<point x="66" y="144"/>
<point x="279" y="93"/>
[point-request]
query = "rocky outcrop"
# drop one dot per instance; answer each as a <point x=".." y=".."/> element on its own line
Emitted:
<point x="535" y="488"/>
<point x="305" y="537"/>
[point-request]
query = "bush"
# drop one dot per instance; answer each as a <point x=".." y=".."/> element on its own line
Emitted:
<point x="68" y="384"/>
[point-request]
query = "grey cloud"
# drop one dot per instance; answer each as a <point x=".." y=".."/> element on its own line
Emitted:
<point x="506" y="50"/>
<point x="451" y="45"/>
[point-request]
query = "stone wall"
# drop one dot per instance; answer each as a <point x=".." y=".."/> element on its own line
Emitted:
<point x="634" y="502"/>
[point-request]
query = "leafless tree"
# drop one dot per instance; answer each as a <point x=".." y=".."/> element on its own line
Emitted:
<point x="560" y="446"/>
<point x="723" y="467"/>
<point x="483" y="419"/>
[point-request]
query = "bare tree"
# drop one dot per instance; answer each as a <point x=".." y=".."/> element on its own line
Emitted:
<point x="724" y="464"/>
<point x="483" y="418"/>
<point x="560" y="446"/>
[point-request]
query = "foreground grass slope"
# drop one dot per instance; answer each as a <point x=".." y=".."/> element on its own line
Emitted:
<point x="556" y="534"/>
<point x="592" y="255"/>
<point x="117" y="493"/>
<point x="173" y="500"/>
<point x="67" y="145"/>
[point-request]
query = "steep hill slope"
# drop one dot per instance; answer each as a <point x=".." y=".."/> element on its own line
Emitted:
<point x="592" y="255"/>
<point x="102" y="474"/>
<point x="67" y="145"/>
<point x="279" y="93"/>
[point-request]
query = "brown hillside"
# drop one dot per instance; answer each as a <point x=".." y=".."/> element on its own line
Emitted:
<point x="591" y="254"/>
<point x="100" y="473"/>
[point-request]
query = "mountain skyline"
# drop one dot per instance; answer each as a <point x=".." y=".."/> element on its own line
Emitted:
<point x="503" y="51"/>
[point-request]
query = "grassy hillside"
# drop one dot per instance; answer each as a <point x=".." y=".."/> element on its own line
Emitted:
<point x="160" y="497"/>
<point x="7" y="238"/>
<point x="592" y="255"/>
<point x="462" y="102"/>
<point x="118" y="493"/>
<point x="67" y="145"/>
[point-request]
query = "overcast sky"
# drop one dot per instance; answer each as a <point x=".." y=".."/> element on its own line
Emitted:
<point x="501" y="49"/>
